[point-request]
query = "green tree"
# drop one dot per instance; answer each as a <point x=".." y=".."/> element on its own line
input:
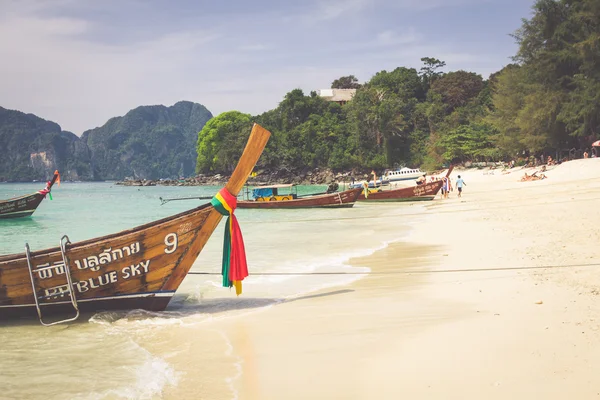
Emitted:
<point x="379" y="118"/>
<point x="458" y="88"/>
<point x="346" y="82"/>
<point x="429" y="71"/>
<point x="222" y="141"/>
<point x="508" y="101"/>
<point x="560" y="46"/>
<point x="470" y="142"/>
<point x="404" y="82"/>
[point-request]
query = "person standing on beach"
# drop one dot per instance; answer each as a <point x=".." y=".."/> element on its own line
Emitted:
<point x="459" y="185"/>
<point x="446" y="186"/>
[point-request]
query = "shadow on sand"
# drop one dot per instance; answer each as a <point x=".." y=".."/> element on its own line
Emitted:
<point x="180" y="307"/>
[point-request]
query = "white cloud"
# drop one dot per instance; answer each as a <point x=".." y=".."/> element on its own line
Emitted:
<point x="254" y="47"/>
<point x="424" y="5"/>
<point x="333" y="9"/>
<point x="80" y="70"/>
<point x="78" y="83"/>
<point x="390" y="37"/>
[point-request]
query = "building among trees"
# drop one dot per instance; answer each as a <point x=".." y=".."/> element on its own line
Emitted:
<point x="340" y="96"/>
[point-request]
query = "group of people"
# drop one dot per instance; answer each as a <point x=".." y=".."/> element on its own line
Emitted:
<point x="447" y="186"/>
<point x="534" y="176"/>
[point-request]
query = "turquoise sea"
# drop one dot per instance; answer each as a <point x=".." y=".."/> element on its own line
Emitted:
<point x="126" y="354"/>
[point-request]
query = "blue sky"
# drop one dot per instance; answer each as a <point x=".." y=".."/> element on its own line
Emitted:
<point x="80" y="62"/>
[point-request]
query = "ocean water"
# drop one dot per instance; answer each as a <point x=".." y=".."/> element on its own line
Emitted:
<point x="112" y="355"/>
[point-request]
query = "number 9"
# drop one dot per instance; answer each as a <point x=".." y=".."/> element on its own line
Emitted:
<point x="171" y="243"/>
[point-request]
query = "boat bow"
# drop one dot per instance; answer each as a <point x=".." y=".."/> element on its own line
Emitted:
<point x="136" y="268"/>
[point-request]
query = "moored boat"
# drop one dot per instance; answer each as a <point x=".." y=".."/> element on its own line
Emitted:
<point x="25" y="206"/>
<point x="137" y="268"/>
<point x="422" y="192"/>
<point x="403" y="174"/>
<point x="271" y="197"/>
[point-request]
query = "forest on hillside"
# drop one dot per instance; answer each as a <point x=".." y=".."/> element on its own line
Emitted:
<point x="545" y="102"/>
<point x="149" y="142"/>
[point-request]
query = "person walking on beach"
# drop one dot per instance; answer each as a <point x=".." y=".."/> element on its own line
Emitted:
<point x="459" y="185"/>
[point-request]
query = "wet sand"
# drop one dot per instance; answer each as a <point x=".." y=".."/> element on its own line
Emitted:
<point x="459" y="311"/>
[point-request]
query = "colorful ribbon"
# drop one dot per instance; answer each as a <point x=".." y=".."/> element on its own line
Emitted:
<point x="48" y="188"/>
<point x="234" y="268"/>
<point x="57" y="178"/>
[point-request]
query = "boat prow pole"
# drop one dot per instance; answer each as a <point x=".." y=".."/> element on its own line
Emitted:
<point x="53" y="181"/>
<point x="256" y="143"/>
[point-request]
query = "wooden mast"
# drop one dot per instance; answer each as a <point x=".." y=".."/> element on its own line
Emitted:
<point x="256" y="143"/>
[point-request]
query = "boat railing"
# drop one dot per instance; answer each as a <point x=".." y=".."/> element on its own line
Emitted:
<point x="59" y="291"/>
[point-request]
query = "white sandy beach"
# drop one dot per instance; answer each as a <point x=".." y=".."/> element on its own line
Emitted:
<point x="420" y="327"/>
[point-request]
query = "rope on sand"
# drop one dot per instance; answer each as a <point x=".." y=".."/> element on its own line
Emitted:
<point x="441" y="271"/>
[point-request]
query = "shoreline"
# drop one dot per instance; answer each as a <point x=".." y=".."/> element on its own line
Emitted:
<point x="448" y="333"/>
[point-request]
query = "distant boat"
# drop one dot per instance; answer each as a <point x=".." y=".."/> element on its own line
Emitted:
<point x="270" y="197"/>
<point x="140" y="267"/>
<point x="372" y="184"/>
<point x="403" y="174"/>
<point x="25" y="206"/>
<point x="424" y="191"/>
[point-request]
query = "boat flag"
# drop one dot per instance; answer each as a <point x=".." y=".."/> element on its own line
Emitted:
<point x="234" y="268"/>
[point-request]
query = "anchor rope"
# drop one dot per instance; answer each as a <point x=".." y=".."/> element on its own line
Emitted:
<point x="440" y="271"/>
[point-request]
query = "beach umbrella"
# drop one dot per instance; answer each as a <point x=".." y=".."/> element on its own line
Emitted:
<point x="596" y="143"/>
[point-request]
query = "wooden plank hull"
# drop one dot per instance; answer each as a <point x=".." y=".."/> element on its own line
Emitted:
<point x="148" y="301"/>
<point x="134" y="266"/>
<point x="23" y="206"/>
<point x="414" y="193"/>
<point x="332" y="200"/>
<point x="137" y="268"/>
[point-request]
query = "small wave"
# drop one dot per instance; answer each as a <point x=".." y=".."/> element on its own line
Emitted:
<point x="237" y="364"/>
<point x="151" y="378"/>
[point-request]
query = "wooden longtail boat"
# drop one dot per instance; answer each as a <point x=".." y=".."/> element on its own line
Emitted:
<point x="25" y="206"/>
<point x="423" y="192"/>
<point x="136" y="268"/>
<point x="269" y="197"/>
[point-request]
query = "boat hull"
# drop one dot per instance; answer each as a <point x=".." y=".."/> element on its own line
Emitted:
<point x="414" y="193"/>
<point x="23" y="206"/>
<point x="144" y="301"/>
<point x="343" y="199"/>
<point x="138" y="268"/>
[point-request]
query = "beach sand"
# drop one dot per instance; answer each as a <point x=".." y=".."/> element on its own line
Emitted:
<point x="452" y="313"/>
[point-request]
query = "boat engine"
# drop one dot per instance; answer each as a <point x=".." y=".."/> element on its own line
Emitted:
<point x="333" y="187"/>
